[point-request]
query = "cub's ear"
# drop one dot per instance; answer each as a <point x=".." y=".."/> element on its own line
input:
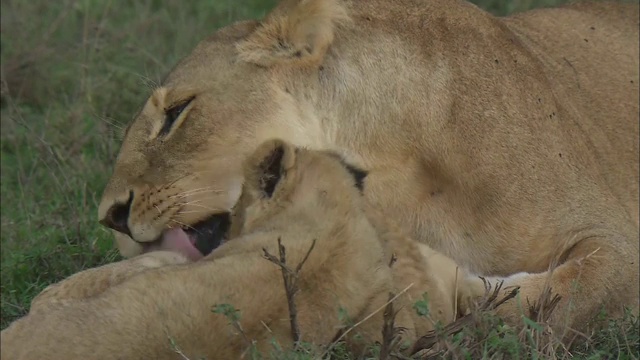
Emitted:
<point x="268" y="165"/>
<point x="295" y="32"/>
<point x="358" y="175"/>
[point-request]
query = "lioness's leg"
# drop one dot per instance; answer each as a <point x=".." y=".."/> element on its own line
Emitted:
<point x="92" y="282"/>
<point x="594" y="270"/>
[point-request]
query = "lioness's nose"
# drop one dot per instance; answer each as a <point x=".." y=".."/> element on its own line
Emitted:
<point x="117" y="216"/>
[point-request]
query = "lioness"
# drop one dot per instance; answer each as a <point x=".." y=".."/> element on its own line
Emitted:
<point x="135" y="309"/>
<point x="509" y="144"/>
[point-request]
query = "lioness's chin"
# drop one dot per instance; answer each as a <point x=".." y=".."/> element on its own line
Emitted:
<point x="194" y="241"/>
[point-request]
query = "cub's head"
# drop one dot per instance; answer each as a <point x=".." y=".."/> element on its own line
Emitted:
<point x="280" y="178"/>
<point x="179" y="170"/>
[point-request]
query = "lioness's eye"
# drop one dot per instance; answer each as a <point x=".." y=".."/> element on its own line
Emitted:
<point x="173" y="113"/>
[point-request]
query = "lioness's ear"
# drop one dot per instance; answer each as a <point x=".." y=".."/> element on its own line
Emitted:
<point x="295" y="32"/>
<point x="268" y="165"/>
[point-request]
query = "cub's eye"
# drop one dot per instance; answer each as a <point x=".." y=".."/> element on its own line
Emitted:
<point x="172" y="114"/>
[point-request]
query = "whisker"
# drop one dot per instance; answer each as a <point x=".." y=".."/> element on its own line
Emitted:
<point x="171" y="183"/>
<point x="193" y="174"/>
<point x="196" y="192"/>
<point x="148" y="82"/>
<point x="182" y="224"/>
<point x="204" y="171"/>
<point x="200" y="199"/>
<point x="111" y="122"/>
<point x="191" y="212"/>
<point x="192" y="202"/>
<point x="206" y="207"/>
<point x="197" y="189"/>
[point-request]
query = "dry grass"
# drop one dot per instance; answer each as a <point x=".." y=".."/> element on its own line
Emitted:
<point x="478" y="335"/>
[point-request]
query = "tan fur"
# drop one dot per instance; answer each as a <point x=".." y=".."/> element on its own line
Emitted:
<point x="315" y="199"/>
<point x="93" y="282"/>
<point x="304" y="30"/>
<point x="508" y="144"/>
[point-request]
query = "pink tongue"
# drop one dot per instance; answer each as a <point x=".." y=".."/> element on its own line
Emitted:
<point x="177" y="240"/>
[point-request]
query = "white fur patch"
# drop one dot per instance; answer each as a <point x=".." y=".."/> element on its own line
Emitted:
<point x="511" y="280"/>
<point x="234" y="193"/>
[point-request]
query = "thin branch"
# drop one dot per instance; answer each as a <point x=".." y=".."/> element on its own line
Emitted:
<point x="343" y="334"/>
<point x="489" y="302"/>
<point x="290" y="278"/>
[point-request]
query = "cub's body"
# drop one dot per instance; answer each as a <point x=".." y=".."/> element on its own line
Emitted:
<point x="158" y="304"/>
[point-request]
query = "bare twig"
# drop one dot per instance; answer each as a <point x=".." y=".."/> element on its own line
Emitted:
<point x="393" y="259"/>
<point x="290" y="278"/>
<point x="488" y="303"/>
<point x="174" y="346"/>
<point x="390" y="333"/>
<point x="540" y="310"/>
<point x="342" y="334"/>
<point x="388" y="329"/>
<point x="455" y="297"/>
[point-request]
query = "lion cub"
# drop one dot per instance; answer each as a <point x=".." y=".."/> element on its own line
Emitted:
<point x="299" y="196"/>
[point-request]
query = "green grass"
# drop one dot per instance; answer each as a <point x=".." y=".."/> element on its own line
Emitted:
<point x="73" y="74"/>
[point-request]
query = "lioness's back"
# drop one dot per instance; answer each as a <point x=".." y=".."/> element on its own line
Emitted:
<point x="591" y="50"/>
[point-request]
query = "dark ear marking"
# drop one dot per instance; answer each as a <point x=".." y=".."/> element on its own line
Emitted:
<point x="271" y="170"/>
<point x="358" y="175"/>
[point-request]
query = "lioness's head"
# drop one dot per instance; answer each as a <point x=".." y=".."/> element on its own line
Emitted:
<point x="180" y="165"/>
